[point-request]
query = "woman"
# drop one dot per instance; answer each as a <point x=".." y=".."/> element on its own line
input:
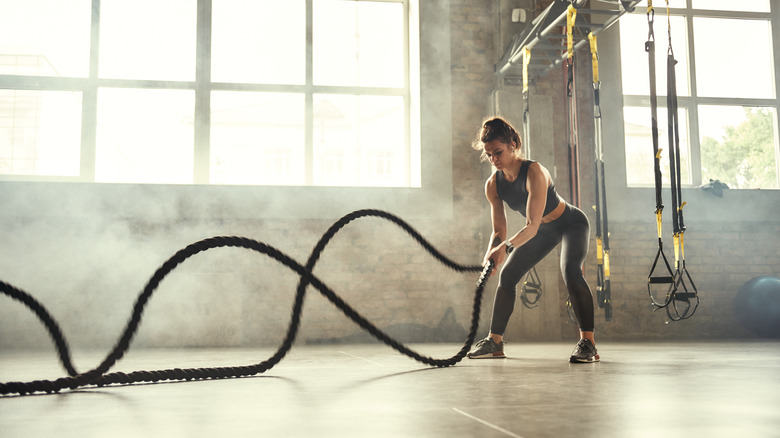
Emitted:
<point x="526" y="187"/>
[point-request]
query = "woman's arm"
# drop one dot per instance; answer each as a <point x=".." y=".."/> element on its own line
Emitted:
<point x="498" y="220"/>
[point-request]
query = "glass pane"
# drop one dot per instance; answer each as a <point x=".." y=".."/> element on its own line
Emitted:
<point x="358" y="43"/>
<point x="257" y="138"/>
<point x="148" y="39"/>
<point x="639" y="146"/>
<point x="258" y="41"/>
<point x="634" y="60"/>
<point x="40" y="132"/>
<point x="360" y="141"/>
<point x="738" y="146"/>
<point x="731" y="58"/>
<point x="145" y="136"/>
<point x="731" y="5"/>
<point x="45" y="37"/>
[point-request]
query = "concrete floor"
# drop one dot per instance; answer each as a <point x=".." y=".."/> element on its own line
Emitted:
<point x="638" y="390"/>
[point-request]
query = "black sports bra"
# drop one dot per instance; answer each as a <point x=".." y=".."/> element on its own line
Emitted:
<point x="515" y="193"/>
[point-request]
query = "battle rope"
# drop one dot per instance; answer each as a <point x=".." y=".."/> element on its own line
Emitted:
<point x="99" y="376"/>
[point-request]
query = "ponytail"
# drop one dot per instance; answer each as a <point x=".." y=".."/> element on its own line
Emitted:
<point x="497" y="128"/>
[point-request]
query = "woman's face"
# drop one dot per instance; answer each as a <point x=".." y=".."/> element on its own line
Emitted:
<point x="499" y="153"/>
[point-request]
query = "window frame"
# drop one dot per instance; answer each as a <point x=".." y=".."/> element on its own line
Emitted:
<point x="203" y="86"/>
<point x="691" y="103"/>
<point x="431" y="142"/>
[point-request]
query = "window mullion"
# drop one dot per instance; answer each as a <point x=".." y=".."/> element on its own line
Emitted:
<point x="309" y="98"/>
<point x="202" y="116"/>
<point x="774" y="9"/>
<point x="694" y="154"/>
<point x="89" y="102"/>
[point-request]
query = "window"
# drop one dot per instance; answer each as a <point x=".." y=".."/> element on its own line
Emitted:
<point x="726" y="87"/>
<point x="239" y="92"/>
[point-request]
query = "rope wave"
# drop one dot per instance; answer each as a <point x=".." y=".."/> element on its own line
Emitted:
<point x="99" y="375"/>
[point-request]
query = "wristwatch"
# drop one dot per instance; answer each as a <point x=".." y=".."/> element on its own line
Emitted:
<point x="509" y="246"/>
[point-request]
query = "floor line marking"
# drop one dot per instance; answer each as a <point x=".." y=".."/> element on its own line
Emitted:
<point x="488" y="424"/>
<point x="361" y="358"/>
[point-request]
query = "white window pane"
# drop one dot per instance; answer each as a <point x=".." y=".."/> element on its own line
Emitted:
<point x="639" y="146"/>
<point x="731" y="5"/>
<point x="145" y="136"/>
<point x="257" y="138"/>
<point x="732" y="58"/>
<point x="259" y="41"/>
<point x="358" y="43"/>
<point x="148" y="39"/>
<point x="360" y="141"/>
<point x="45" y="37"/>
<point x="40" y="132"/>
<point x="738" y="146"/>
<point x="634" y="60"/>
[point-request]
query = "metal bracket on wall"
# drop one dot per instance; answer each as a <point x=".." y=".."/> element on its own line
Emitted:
<point x="545" y="36"/>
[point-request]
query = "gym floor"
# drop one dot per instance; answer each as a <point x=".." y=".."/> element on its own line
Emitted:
<point x="370" y="390"/>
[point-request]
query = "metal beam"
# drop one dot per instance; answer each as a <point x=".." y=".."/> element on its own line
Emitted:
<point x="541" y="35"/>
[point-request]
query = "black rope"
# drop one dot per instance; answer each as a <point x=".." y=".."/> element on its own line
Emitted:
<point x="99" y="376"/>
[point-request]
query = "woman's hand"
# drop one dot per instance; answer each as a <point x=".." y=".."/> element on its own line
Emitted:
<point x="497" y="255"/>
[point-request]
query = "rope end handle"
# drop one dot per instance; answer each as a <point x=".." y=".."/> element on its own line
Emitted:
<point x="486" y="271"/>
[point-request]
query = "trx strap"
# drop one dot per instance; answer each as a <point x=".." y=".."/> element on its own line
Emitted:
<point x="603" y="293"/>
<point x="664" y="277"/>
<point x="673" y="280"/>
<point x="526" y="123"/>
<point x="571" y="91"/>
<point x="573" y="140"/>
<point x="531" y="291"/>
<point x="683" y="291"/>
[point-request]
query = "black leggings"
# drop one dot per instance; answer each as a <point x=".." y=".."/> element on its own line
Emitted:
<point x="572" y="230"/>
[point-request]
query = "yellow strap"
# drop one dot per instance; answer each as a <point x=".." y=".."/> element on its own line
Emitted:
<point x="682" y="246"/>
<point x="677" y="251"/>
<point x="594" y="52"/>
<point x="658" y="155"/>
<point x="599" y="251"/>
<point x="571" y="17"/>
<point x="649" y="6"/>
<point x="681" y="206"/>
<point x="526" y="61"/>
<point x="606" y="265"/>
<point x="658" y="220"/>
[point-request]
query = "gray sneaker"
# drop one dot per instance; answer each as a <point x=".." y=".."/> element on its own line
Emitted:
<point x="584" y="352"/>
<point x="487" y="349"/>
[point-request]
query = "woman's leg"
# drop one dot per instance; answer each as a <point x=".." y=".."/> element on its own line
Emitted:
<point x="574" y="249"/>
<point x="519" y="262"/>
